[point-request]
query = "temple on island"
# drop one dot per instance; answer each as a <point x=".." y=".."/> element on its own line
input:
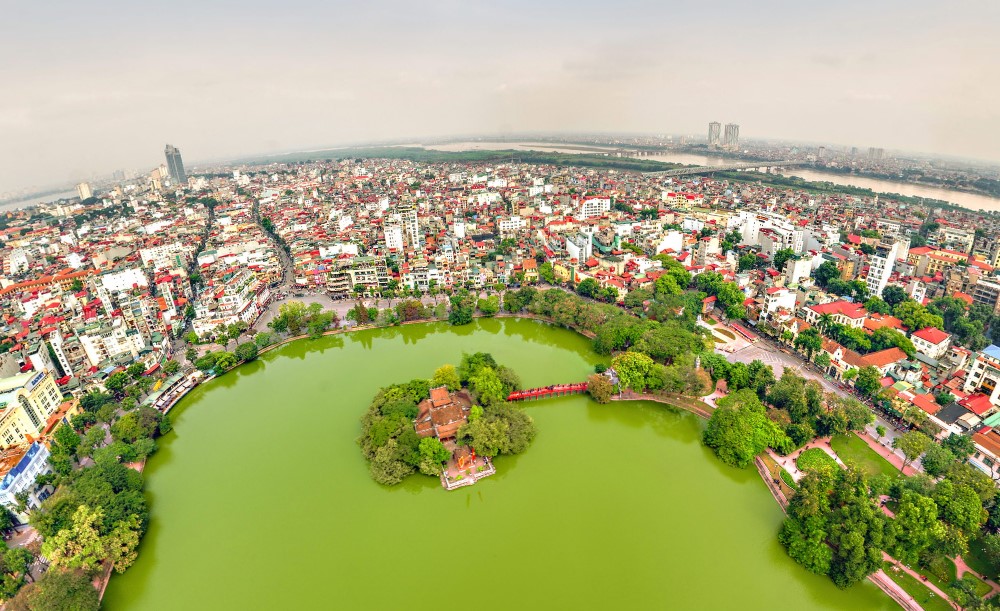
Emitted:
<point x="440" y="416"/>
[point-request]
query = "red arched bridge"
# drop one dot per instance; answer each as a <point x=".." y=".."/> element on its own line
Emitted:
<point x="556" y="390"/>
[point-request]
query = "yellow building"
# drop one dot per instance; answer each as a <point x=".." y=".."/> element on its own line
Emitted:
<point x="26" y="402"/>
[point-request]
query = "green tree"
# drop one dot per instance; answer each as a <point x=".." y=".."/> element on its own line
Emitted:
<point x="486" y="435"/>
<point x="960" y="506"/>
<point x="588" y="288"/>
<point x="894" y="295"/>
<point x="912" y="444"/>
<point x="171" y="367"/>
<point x="782" y="257"/>
<point x="809" y="341"/>
<point x="488" y="386"/>
<point x="937" y="459"/>
<point x="961" y="446"/>
<point x="489" y="306"/>
<point x="80" y="546"/>
<point x="116" y="382"/>
<point x="135" y="370"/>
<point x="739" y="429"/>
<point x="868" y="381"/>
<point x="57" y="589"/>
<point x="246" y="351"/>
<point x="462" y="309"/>
<point x="916" y="527"/>
<point x="633" y="369"/>
<point x="546" y="273"/>
<point x="600" y="388"/>
<point x="944" y="398"/>
<point x="887" y="337"/>
<point x="66" y="440"/>
<point x="915" y="316"/>
<point x="122" y="544"/>
<point x="826" y="272"/>
<point x="387" y="465"/>
<point x="432" y="455"/>
<point x="446" y="375"/>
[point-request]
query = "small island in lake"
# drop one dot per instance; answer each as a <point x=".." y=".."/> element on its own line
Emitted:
<point x="449" y="427"/>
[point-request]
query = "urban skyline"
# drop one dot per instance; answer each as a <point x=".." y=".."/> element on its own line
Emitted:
<point x="876" y="91"/>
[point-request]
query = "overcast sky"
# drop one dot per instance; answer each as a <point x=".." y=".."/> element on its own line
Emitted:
<point x="90" y="87"/>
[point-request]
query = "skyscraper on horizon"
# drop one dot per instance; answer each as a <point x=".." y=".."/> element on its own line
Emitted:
<point x="84" y="191"/>
<point x="175" y="166"/>
<point x="732" y="137"/>
<point x="714" y="133"/>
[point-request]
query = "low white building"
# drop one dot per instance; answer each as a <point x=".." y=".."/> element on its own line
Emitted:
<point x="19" y="466"/>
<point x="932" y="342"/>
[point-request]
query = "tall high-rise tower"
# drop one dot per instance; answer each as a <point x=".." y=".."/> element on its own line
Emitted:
<point x="174" y="164"/>
<point x="84" y="191"/>
<point x="732" y="137"/>
<point x="411" y="230"/>
<point x="714" y="133"/>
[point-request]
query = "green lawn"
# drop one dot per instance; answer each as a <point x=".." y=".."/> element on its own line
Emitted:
<point x="853" y="450"/>
<point x="814" y="458"/>
<point x="982" y="588"/>
<point x="921" y="593"/>
<point x="940" y="571"/>
<point x="725" y="333"/>
<point x="787" y="478"/>
<point x="977" y="559"/>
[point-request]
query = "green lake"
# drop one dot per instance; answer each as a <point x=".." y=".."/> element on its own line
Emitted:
<point x="261" y="499"/>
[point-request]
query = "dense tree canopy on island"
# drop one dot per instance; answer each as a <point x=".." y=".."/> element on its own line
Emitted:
<point x="393" y="448"/>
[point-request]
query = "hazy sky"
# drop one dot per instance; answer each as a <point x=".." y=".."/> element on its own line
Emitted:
<point x="90" y="87"/>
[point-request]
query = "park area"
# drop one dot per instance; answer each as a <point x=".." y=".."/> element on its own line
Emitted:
<point x="920" y="593"/>
<point x="815" y="458"/>
<point x="853" y="450"/>
<point x="978" y="560"/>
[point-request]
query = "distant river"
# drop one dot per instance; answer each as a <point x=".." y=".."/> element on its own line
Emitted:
<point x="261" y="499"/>
<point x="959" y="198"/>
<point x="44" y="199"/>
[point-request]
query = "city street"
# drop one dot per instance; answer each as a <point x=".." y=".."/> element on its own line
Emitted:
<point x="782" y="358"/>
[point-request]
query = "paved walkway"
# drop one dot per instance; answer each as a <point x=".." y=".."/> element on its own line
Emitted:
<point x="788" y="462"/>
<point x="632" y="396"/>
<point x="962" y="568"/>
<point x="894" y="590"/>
<point x="933" y="588"/>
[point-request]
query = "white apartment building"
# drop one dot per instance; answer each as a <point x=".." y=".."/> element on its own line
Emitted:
<point x="797" y="270"/>
<point x="579" y="247"/>
<point x="106" y="342"/>
<point x="780" y="233"/>
<point x="984" y="374"/>
<point x="123" y="280"/>
<point x="411" y="229"/>
<point x="511" y="225"/>
<point x="593" y="206"/>
<point x="880" y="268"/>
<point x="394" y="237"/>
<point x="19" y="466"/>
<point x="932" y="342"/>
<point x="777" y="298"/>
<point x="167" y="256"/>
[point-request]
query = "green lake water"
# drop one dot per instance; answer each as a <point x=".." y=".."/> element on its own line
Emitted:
<point x="261" y="499"/>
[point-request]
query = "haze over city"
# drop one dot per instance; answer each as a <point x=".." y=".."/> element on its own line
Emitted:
<point x="94" y="88"/>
